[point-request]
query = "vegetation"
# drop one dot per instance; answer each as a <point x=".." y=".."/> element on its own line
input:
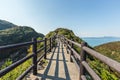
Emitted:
<point x="17" y="35"/>
<point x="12" y="75"/>
<point x="12" y="34"/>
<point x="66" y="32"/>
<point x="111" y="50"/>
<point x="103" y="70"/>
<point x="100" y="68"/>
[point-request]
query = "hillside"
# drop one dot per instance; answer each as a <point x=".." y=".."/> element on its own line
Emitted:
<point x="105" y="72"/>
<point x="66" y="32"/>
<point x="111" y="50"/>
<point x="11" y="33"/>
<point x="25" y="65"/>
<point x="5" y="25"/>
<point x="17" y="35"/>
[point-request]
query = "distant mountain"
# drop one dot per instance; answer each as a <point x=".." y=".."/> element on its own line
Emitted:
<point x="5" y="25"/>
<point x="95" y="41"/>
<point x="99" y="37"/>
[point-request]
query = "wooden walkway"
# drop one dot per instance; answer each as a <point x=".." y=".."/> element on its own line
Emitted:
<point x="59" y="66"/>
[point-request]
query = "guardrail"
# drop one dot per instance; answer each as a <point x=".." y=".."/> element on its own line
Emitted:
<point x="80" y="60"/>
<point x="33" y="55"/>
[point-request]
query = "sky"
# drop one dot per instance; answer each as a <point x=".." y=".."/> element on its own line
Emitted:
<point x="87" y="18"/>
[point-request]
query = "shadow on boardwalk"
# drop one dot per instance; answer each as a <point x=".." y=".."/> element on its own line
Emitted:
<point x="58" y="56"/>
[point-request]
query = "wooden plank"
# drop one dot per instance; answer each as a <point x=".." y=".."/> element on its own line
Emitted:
<point x="75" y="43"/>
<point x="16" y="45"/>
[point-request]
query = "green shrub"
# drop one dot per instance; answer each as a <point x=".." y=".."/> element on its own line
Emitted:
<point x="102" y="70"/>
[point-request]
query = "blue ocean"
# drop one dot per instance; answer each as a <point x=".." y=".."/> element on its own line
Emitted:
<point x="95" y="41"/>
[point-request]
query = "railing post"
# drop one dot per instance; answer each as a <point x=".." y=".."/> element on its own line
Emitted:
<point x="35" y="56"/>
<point x="71" y="54"/>
<point x="50" y="44"/>
<point x="83" y="58"/>
<point x="53" y="41"/>
<point x="45" y="49"/>
<point x="64" y="41"/>
<point x="67" y="47"/>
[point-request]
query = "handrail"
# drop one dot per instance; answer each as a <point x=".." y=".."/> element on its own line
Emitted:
<point x="39" y="41"/>
<point x="91" y="72"/>
<point x="16" y="45"/>
<point x="75" y="53"/>
<point x="79" y="45"/>
<point x="83" y="66"/>
<point x="11" y="67"/>
<point x="25" y="73"/>
<point x="115" y="65"/>
<point x="78" y="59"/>
<point x="39" y="50"/>
<point x="33" y="55"/>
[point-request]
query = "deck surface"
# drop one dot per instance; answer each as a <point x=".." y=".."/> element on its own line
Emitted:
<point x="59" y="66"/>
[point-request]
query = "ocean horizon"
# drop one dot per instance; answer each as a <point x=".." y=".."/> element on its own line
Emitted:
<point x="96" y="41"/>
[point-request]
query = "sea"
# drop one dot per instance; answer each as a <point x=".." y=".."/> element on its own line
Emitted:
<point x="96" y="41"/>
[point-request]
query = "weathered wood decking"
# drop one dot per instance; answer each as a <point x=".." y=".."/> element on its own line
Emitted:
<point x="59" y="66"/>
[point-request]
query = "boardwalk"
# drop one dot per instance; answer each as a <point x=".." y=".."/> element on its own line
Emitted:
<point x="59" y="66"/>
